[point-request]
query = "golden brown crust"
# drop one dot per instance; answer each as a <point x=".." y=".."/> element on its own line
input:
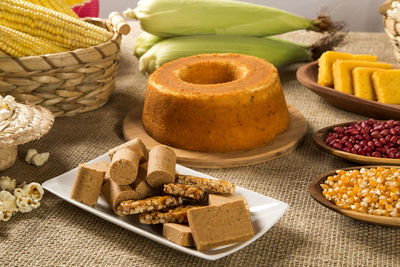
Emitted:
<point x="244" y="113"/>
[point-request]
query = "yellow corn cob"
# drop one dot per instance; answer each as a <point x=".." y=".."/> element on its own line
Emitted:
<point x="57" y="5"/>
<point x="41" y="22"/>
<point x="76" y="2"/>
<point x="19" y="44"/>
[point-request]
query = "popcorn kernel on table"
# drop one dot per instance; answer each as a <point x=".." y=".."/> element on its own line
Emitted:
<point x="374" y="191"/>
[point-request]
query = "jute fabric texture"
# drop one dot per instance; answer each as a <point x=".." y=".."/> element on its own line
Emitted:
<point x="60" y="234"/>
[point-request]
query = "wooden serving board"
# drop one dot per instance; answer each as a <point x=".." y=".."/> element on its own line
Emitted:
<point x="281" y="145"/>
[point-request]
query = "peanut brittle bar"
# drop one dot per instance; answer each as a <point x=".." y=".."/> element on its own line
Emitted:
<point x="129" y="207"/>
<point x="176" y="215"/>
<point x="209" y="185"/>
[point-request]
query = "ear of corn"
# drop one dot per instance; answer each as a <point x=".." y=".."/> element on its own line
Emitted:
<point x="223" y="17"/>
<point x="57" y="28"/>
<point x="57" y="5"/>
<point x="277" y="52"/>
<point x="73" y="3"/>
<point x="144" y="42"/>
<point x="19" y="44"/>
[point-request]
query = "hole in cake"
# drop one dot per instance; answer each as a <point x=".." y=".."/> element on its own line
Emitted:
<point x="211" y="72"/>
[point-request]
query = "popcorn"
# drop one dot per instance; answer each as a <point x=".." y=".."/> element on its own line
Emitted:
<point x="18" y="192"/>
<point x="7" y="107"/>
<point x="6" y="183"/>
<point x="34" y="191"/>
<point x="23" y="199"/>
<point x="394" y="12"/>
<point x="24" y="204"/>
<point x="35" y="158"/>
<point x="7" y="205"/>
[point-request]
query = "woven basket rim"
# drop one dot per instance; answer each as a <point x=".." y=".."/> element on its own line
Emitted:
<point x="114" y="41"/>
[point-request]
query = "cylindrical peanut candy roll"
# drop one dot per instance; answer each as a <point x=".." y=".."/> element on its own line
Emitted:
<point x="115" y="194"/>
<point x="141" y="187"/>
<point x="87" y="184"/>
<point x="124" y="166"/>
<point x="135" y="145"/>
<point x="161" y="166"/>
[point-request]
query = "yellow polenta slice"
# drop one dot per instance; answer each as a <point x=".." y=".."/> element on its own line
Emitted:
<point x="342" y="73"/>
<point x="387" y="86"/>
<point x="362" y="83"/>
<point x="327" y="59"/>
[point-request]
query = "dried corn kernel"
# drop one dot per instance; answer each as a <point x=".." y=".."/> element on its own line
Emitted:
<point x="374" y="191"/>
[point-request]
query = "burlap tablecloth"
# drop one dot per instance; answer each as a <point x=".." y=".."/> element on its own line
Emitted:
<point x="58" y="233"/>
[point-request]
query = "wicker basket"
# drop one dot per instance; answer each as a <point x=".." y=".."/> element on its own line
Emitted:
<point x="65" y="83"/>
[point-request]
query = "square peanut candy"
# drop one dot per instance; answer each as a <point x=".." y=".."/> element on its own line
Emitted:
<point x="178" y="233"/>
<point x="219" y="225"/>
<point x="214" y="199"/>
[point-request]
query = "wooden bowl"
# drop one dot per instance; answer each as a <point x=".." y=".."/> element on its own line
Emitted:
<point x="308" y="76"/>
<point x="316" y="192"/>
<point x="319" y="140"/>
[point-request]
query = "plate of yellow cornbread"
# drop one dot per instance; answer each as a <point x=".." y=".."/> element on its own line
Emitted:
<point x="357" y="83"/>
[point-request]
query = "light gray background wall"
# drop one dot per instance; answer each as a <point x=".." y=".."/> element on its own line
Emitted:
<point x="359" y="15"/>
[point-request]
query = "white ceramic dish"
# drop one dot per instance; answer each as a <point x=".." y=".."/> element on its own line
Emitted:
<point x="265" y="212"/>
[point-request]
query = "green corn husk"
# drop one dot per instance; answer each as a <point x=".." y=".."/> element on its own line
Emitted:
<point x="276" y="51"/>
<point x="144" y="42"/>
<point x="223" y="17"/>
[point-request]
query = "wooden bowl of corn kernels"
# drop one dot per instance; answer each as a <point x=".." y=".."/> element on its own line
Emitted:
<point x="348" y="207"/>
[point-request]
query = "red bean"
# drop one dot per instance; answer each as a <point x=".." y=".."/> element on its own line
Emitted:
<point x="337" y="146"/>
<point x="382" y="140"/>
<point x="378" y="144"/>
<point x="388" y="145"/>
<point x="340" y="141"/>
<point x="397" y="156"/>
<point x="345" y="138"/>
<point x="352" y="132"/>
<point x="384" y="132"/>
<point x="378" y="128"/>
<point x="358" y="137"/>
<point x="363" y="143"/>
<point x="348" y="144"/>
<point x="370" y="143"/>
<point x="347" y="149"/>
<point x="376" y="154"/>
<point x="394" y="139"/>
<point x="366" y="137"/>
<point x="375" y="134"/>
<point x="387" y="137"/>
<point x="380" y="149"/>
<point x="339" y="129"/>
<point x="392" y="131"/>
<point x="390" y="154"/>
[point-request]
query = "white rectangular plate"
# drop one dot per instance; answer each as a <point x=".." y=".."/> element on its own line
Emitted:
<point x="265" y="212"/>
